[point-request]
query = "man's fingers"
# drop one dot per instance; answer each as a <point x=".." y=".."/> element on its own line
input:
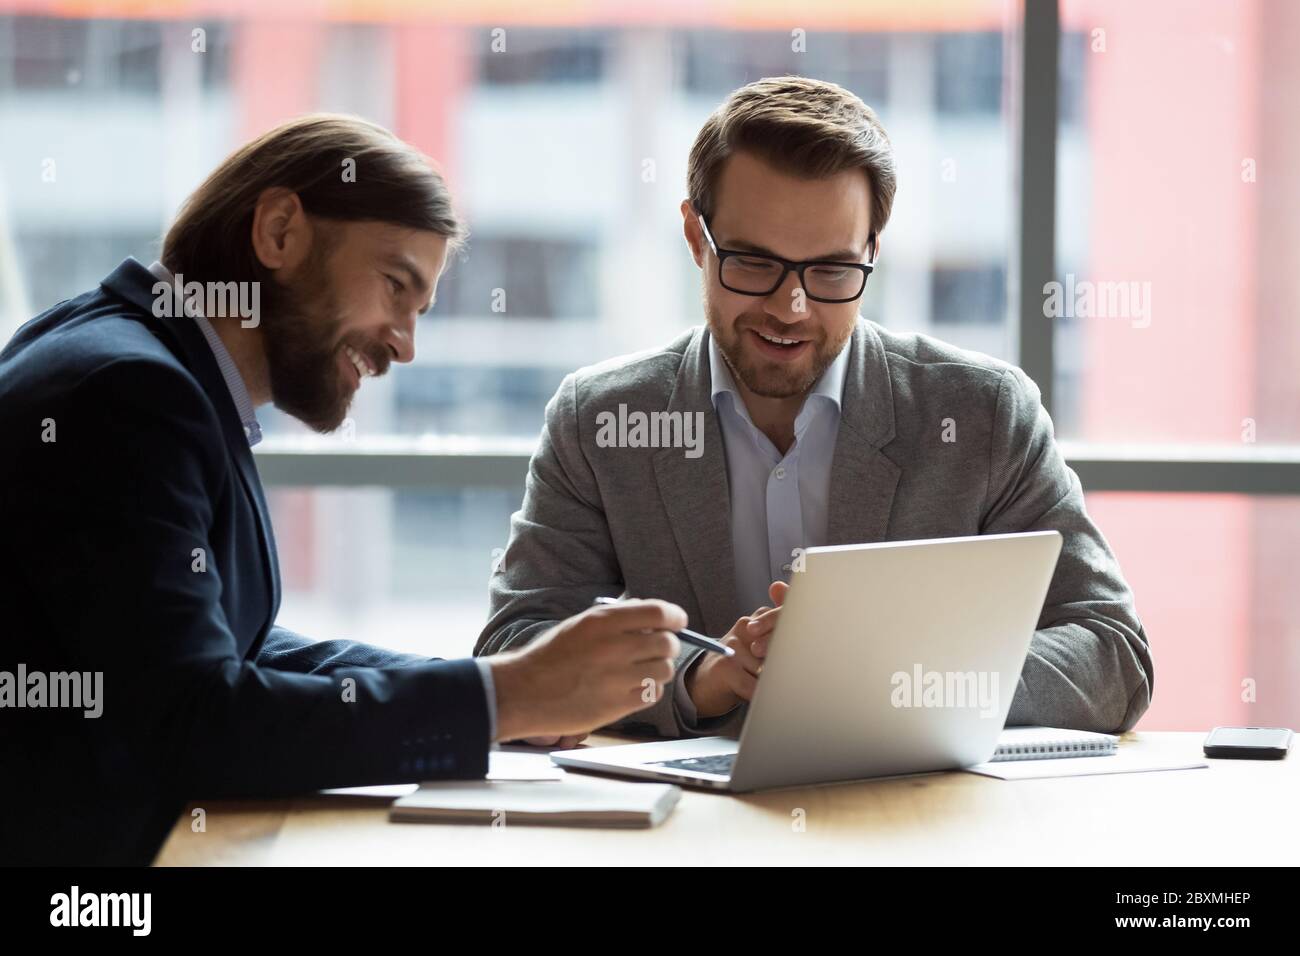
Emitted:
<point x="759" y="633"/>
<point x="660" y="671"/>
<point x="777" y="592"/>
<point x="638" y="615"/>
<point x="744" y="659"/>
<point x="651" y="646"/>
<point x="556" y="742"/>
<point x="744" y="685"/>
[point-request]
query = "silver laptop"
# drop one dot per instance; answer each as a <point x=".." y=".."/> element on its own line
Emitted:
<point x="892" y="658"/>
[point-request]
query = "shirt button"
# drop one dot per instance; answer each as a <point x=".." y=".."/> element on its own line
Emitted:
<point x="780" y="472"/>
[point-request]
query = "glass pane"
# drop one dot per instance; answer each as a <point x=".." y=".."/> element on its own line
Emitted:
<point x="566" y="149"/>
<point x="1178" y="226"/>
<point x="1211" y="575"/>
<point x="403" y="570"/>
<point x="1214" y="582"/>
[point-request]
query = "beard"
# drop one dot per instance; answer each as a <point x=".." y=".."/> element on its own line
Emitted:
<point x="764" y="376"/>
<point x="302" y="342"/>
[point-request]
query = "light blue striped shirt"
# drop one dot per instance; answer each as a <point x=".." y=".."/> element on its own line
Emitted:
<point x="778" y="502"/>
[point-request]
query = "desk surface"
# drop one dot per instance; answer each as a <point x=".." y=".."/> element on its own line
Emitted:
<point x="1236" y="812"/>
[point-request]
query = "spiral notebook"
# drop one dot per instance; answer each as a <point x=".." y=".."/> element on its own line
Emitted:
<point x="1043" y="743"/>
<point x="1030" y="753"/>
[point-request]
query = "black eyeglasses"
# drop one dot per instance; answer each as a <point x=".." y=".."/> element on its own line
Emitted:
<point x="755" y="273"/>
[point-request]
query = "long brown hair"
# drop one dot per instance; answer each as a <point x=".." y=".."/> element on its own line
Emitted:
<point x="387" y="180"/>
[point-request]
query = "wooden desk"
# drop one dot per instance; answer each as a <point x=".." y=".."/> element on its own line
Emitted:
<point x="1237" y="812"/>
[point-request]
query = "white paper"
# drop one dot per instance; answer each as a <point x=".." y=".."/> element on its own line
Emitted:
<point x="514" y="765"/>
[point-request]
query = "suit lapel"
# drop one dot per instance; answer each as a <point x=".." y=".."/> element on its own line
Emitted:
<point x="696" y="496"/>
<point x="134" y="283"/>
<point x="863" y="479"/>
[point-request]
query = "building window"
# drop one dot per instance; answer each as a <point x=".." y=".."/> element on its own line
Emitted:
<point x="968" y="295"/>
<point x="542" y="57"/>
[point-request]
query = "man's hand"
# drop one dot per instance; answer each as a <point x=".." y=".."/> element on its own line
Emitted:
<point x="600" y="665"/>
<point x="716" y="683"/>
<point x="555" y="742"/>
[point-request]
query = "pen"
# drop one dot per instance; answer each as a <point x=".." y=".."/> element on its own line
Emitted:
<point x="685" y="636"/>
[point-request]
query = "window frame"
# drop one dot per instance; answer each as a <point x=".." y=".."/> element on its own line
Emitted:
<point x="1258" y="470"/>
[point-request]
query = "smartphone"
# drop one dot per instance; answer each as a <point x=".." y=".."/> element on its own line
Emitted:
<point x="1248" y="743"/>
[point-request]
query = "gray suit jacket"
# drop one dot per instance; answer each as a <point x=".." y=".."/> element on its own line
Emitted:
<point x="652" y="522"/>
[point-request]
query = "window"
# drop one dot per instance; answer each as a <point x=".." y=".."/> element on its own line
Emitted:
<point x="475" y="400"/>
<point x="1214" y="587"/>
<point x="407" y="570"/>
<point x="523" y="277"/>
<point x="44" y="53"/>
<point x="1171" y="344"/>
<point x="712" y="63"/>
<point x="968" y="295"/>
<point x="57" y="262"/>
<point x="1177" y="231"/>
<point x="516" y="56"/>
<point x="107" y="56"/>
<point x="968" y="73"/>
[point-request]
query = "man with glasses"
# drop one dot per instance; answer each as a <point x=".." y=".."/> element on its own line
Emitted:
<point x="819" y="428"/>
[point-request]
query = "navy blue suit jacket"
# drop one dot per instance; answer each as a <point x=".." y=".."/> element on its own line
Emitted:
<point x="137" y="544"/>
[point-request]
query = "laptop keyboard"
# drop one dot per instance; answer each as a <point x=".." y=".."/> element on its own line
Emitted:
<point x="720" y="764"/>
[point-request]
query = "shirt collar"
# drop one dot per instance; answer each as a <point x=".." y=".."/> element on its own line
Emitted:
<point x="229" y="371"/>
<point x="829" y="385"/>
